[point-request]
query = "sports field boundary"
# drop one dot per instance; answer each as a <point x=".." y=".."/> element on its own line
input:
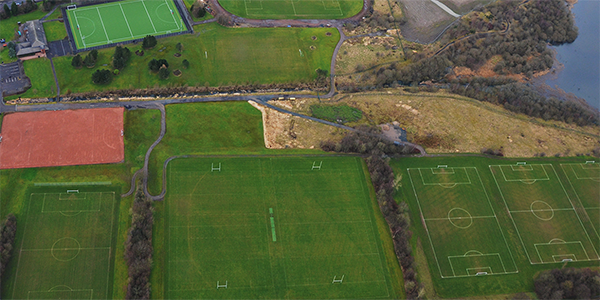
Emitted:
<point x="178" y="4"/>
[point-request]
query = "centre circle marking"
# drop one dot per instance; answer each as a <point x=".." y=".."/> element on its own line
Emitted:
<point x="458" y="214"/>
<point x="541" y="211"/>
<point x="71" y="252"/>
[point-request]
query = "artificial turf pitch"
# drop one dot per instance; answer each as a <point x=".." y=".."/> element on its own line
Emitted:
<point x="65" y="244"/>
<point x="114" y="22"/>
<point x="272" y="228"/>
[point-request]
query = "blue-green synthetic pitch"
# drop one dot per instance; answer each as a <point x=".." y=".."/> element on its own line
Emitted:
<point x="221" y="243"/>
<point x="121" y="21"/>
<point x="66" y="247"/>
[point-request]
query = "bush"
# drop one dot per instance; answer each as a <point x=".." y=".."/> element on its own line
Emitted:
<point x="340" y="113"/>
<point x="185" y="63"/>
<point x="102" y="76"/>
<point x="149" y="42"/>
<point x="198" y="10"/>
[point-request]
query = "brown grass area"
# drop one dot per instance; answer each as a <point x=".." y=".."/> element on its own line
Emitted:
<point x="364" y="51"/>
<point x="487" y="70"/>
<point x="462" y="125"/>
<point x="286" y="131"/>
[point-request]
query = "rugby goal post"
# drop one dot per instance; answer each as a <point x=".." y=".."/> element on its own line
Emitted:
<point x="316" y="166"/>
<point x="72" y="7"/>
<point x="221" y="286"/>
<point x="215" y="167"/>
<point x="335" y="280"/>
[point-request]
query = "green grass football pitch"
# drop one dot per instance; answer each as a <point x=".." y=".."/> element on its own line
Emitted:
<point x="296" y="227"/>
<point x="293" y="9"/>
<point x="461" y="224"/>
<point x="584" y="178"/>
<point x="121" y="21"/>
<point x="65" y="244"/>
<point x="549" y="222"/>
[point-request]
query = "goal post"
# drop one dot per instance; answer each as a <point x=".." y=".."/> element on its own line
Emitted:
<point x="72" y="7"/>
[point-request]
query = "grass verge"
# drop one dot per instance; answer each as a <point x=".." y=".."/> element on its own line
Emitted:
<point x="218" y="56"/>
<point x="39" y="72"/>
<point x="55" y="30"/>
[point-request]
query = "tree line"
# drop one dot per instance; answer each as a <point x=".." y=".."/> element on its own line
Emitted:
<point x="138" y="247"/>
<point x="367" y="141"/>
<point x="568" y="283"/>
<point x="15" y="10"/>
<point x="7" y="240"/>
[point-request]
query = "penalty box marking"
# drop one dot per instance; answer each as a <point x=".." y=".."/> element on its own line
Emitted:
<point x="477" y="254"/>
<point x="53" y="291"/>
<point x="501" y="167"/>
<point x="584" y="168"/>
<point x="561" y="242"/>
<point x="433" y="172"/>
<point x="491" y="207"/>
<point x="84" y="210"/>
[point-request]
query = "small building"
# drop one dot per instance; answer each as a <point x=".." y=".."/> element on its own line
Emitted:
<point x="35" y="44"/>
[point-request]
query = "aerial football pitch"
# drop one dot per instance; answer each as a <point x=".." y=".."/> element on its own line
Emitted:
<point x="467" y="212"/>
<point x="66" y="248"/>
<point x="293" y="9"/>
<point x="272" y="227"/>
<point x="115" y="22"/>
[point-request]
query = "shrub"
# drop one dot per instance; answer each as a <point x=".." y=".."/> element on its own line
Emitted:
<point x="185" y="63"/>
<point x="121" y="57"/>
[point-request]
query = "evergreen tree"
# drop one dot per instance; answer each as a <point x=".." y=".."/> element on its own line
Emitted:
<point x="102" y="76"/>
<point x="77" y="61"/>
<point x="14" y="9"/>
<point x="149" y="42"/>
<point x="153" y="65"/>
<point x="163" y="73"/>
<point x="185" y="63"/>
<point x="121" y="57"/>
<point x="7" y="10"/>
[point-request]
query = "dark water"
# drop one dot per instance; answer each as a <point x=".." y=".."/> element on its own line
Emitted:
<point x="581" y="59"/>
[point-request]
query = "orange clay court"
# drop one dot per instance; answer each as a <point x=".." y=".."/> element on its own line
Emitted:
<point x="62" y="138"/>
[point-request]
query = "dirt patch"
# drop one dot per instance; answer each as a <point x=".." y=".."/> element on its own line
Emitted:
<point x="286" y="131"/>
<point x="62" y="138"/>
<point x="177" y="73"/>
<point x="424" y="20"/>
<point x="314" y="38"/>
<point x="139" y="52"/>
<point x="312" y="47"/>
<point x="328" y="33"/>
<point x="177" y="54"/>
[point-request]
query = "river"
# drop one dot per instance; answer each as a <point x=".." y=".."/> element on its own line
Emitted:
<point x="580" y="72"/>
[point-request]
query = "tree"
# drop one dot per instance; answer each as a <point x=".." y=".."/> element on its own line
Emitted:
<point x="89" y="61"/>
<point x="163" y="73"/>
<point x="185" y="63"/>
<point x="12" y="49"/>
<point x="77" y="61"/>
<point x="198" y="10"/>
<point x="14" y="9"/>
<point x="155" y="65"/>
<point x="179" y="47"/>
<point x="149" y="42"/>
<point x="94" y="55"/>
<point x="121" y="57"/>
<point x="102" y="76"/>
<point x="7" y="10"/>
